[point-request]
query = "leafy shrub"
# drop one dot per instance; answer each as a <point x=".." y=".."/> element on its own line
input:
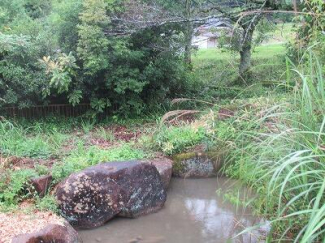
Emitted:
<point x="65" y="52"/>
<point x="13" y="185"/>
<point x="47" y="203"/>
<point x="173" y="140"/>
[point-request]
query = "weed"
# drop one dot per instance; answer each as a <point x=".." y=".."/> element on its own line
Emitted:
<point x="173" y="140"/>
<point x="87" y="125"/>
<point x="279" y="151"/>
<point x="82" y="158"/>
<point x="41" y="169"/>
<point x="47" y="203"/>
<point x="105" y="134"/>
<point x="14" y="186"/>
<point x="18" y="141"/>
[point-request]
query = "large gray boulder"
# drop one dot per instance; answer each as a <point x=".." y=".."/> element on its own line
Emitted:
<point x="95" y="195"/>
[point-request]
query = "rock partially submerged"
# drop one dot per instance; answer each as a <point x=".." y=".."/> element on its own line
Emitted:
<point x="38" y="227"/>
<point x="196" y="165"/>
<point x="95" y="195"/>
<point x="164" y="167"/>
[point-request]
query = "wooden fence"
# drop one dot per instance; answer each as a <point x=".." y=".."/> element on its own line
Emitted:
<point x="40" y="111"/>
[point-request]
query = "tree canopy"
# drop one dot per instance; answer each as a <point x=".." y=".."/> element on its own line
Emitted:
<point x="113" y="54"/>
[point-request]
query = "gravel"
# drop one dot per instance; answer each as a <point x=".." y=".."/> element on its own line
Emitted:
<point x="12" y="225"/>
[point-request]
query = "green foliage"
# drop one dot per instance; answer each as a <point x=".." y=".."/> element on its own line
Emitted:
<point x="61" y="71"/>
<point x="92" y="44"/>
<point x="17" y="81"/>
<point x="75" y="97"/>
<point x="17" y="141"/>
<point x="47" y="203"/>
<point x="310" y="32"/>
<point x="277" y="147"/>
<point x="81" y="62"/>
<point x="63" y="19"/>
<point x="12" y="43"/>
<point x="216" y="71"/>
<point x="173" y="140"/>
<point x="275" y="144"/>
<point x="82" y="158"/>
<point x="14" y="187"/>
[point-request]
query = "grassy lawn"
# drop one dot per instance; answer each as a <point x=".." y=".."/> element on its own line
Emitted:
<point x="216" y="70"/>
<point x="216" y="54"/>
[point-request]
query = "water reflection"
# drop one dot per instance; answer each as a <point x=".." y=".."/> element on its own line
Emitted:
<point x="193" y="214"/>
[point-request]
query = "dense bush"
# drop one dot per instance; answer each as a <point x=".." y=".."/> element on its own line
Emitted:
<point x="56" y="52"/>
<point x="311" y="32"/>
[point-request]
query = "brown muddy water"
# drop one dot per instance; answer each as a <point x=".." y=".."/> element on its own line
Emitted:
<point x="193" y="213"/>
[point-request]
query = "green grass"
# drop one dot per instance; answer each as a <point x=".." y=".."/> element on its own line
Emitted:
<point x="69" y="146"/>
<point x="18" y="141"/>
<point x="172" y="140"/>
<point x="277" y="147"/>
<point x="83" y="157"/>
<point x="66" y="145"/>
<point x="217" y="71"/>
<point x="282" y="33"/>
<point x="13" y="186"/>
<point x="216" y="54"/>
<point x="269" y="51"/>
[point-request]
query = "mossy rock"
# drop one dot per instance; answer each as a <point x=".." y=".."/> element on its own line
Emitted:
<point x="218" y="158"/>
<point x="193" y="165"/>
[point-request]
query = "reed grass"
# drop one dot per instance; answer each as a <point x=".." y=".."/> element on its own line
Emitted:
<point x="286" y="164"/>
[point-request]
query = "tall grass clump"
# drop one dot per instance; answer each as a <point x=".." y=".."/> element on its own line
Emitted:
<point x="16" y="140"/>
<point x="281" y="153"/>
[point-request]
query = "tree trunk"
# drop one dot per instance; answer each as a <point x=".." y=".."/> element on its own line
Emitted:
<point x="246" y="51"/>
<point x="188" y="43"/>
<point x="245" y="61"/>
<point x="188" y="33"/>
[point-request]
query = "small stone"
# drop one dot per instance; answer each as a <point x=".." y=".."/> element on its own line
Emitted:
<point x="41" y="184"/>
<point x="133" y="241"/>
<point x="136" y="240"/>
<point x="51" y="233"/>
<point x="98" y="239"/>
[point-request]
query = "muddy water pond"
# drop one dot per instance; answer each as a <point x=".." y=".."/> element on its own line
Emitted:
<point x="193" y="213"/>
